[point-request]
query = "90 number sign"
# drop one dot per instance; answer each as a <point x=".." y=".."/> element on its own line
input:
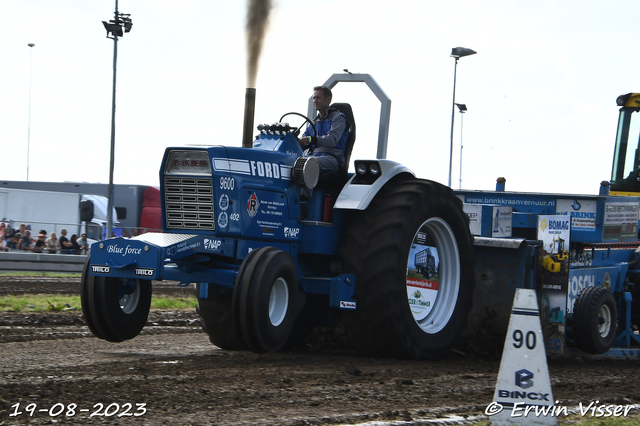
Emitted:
<point x="521" y="339"/>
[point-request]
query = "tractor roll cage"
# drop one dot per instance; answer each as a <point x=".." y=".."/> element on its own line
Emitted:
<point x="385" y="105"/>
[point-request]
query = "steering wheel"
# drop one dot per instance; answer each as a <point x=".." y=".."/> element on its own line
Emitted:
<point x="297" y="132"/>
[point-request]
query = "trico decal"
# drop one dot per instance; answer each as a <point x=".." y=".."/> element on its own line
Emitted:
<point x="144" y="272"/>
<point x="100" y="269"/>
<point x="252" y="205"/>
<point x="116" y="249"/>
<point x="291" y="232"/>
<point x="347" y="305"/>
<point x="212" y="244"/>
<point x="252" y="168"/>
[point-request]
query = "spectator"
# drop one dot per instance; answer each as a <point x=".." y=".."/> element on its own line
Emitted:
<point x="26" y="242"/>
<point x="41" y="242"/>
<point x="19" y="233"/>
<point x="83" y="243"/>
<point x="75" y="247"/>
<point x="65" y="245"/>
<point x="3" y="244"/>
<point x="12" y="243"/>
<point x="53" y="245"/>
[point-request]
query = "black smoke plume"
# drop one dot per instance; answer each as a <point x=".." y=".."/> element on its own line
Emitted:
<point x="257" y="21"/>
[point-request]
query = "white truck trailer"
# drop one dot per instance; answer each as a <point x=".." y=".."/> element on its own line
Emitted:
<point x="52" y="211"/>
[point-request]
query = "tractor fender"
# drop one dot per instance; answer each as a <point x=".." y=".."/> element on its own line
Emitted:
<point x="357" y="196"/>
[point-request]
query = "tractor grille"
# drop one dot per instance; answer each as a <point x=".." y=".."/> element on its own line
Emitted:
<point x="188" y="203"/>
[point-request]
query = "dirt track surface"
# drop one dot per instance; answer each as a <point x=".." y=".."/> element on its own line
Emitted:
<point x="51" y="360"/>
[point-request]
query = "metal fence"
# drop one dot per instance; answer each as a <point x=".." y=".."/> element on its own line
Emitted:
<point x="41" y="262"/>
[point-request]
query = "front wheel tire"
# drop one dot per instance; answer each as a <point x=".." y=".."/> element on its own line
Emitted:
<point x="115" y="309"/>
<point x="266" y="299"/>
<point x="217" y="321"/>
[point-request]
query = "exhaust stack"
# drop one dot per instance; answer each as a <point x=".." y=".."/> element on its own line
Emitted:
<point x="249" y="112"/>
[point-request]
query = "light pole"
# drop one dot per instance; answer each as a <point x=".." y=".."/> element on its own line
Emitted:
<point x="462" y="108"/>
<point x="114" y="30"/>
<point x="29" y="119"/>
<point x="457" y="53"/>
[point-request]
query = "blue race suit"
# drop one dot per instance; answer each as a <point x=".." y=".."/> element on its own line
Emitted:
<point x="331" y="140"/>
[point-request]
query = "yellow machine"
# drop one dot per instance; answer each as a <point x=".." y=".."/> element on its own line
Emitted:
<point x="558" y="260"/>
<point x="625" y="173"/>
<point x="555" y="262"/>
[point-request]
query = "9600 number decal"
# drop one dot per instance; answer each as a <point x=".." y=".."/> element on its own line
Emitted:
<point x="71" y="410"/>
<point x="227" y="183"/>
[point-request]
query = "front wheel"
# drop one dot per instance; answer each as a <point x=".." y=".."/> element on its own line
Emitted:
<point x="594" y="320"/>
<point x="266" y="299"/>
<point x="115" y="309"/>
<point x="217" y="320"/>
<point x="401" y="312"/>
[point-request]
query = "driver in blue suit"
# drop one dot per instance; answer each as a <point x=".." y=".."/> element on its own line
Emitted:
<point x="331" y="140"/>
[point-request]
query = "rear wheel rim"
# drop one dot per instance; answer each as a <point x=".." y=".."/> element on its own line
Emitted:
<point x="604" y="320"/>
<point x="278" y="301"/>
<point x="432" y="295"/>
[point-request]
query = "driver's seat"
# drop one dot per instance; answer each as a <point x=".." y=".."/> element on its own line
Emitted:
<point x="332" y="178"/>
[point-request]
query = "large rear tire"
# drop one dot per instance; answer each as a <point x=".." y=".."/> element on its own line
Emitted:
<point x="217" y="319"/>
<point x="115" y="309"/>
<point x="399" y="313"/>
<point x="594" y="320"/>
<point x="266" y="299"/>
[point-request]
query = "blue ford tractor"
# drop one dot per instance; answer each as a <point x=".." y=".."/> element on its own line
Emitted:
<point x="269" y="264"/>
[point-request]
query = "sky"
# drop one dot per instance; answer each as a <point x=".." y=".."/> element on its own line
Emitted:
<point x="540" y="92"/>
